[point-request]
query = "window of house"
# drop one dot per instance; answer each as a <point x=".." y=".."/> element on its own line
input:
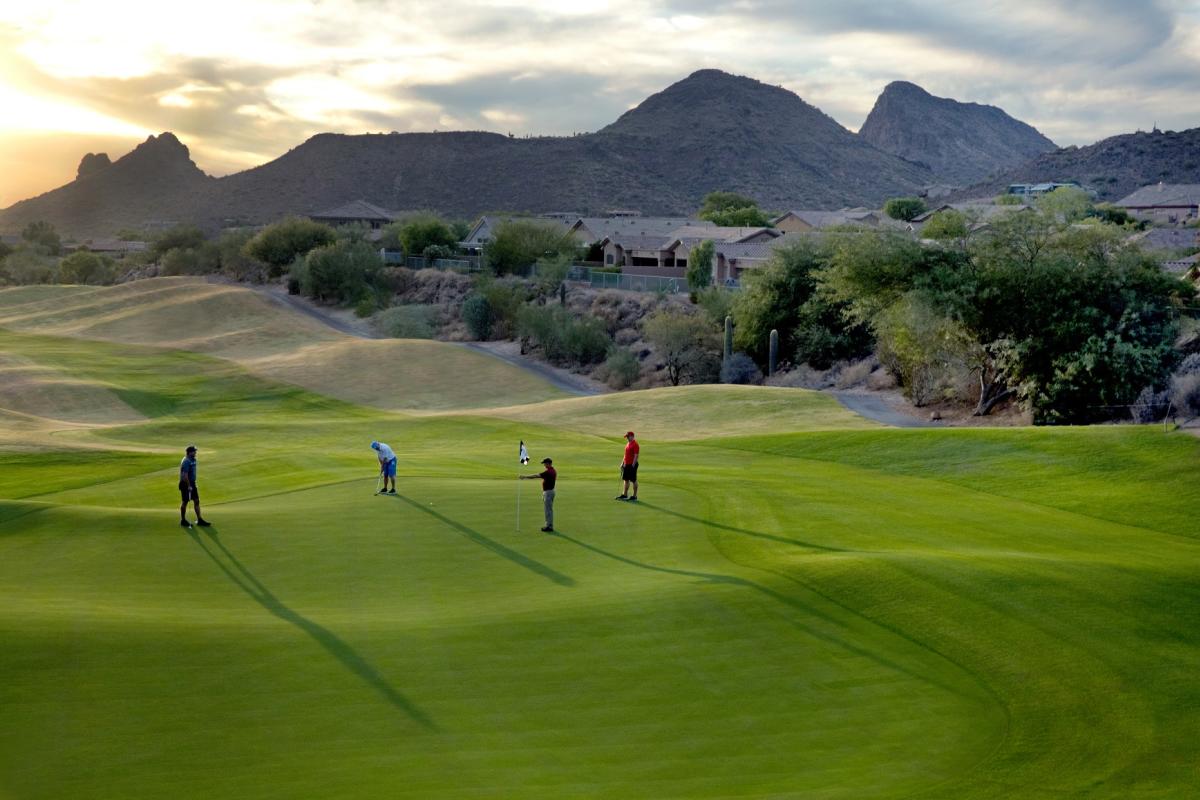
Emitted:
<point x="608" y="259"/>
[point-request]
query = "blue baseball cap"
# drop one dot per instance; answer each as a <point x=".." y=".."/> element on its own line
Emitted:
<point x="374" y="445"/>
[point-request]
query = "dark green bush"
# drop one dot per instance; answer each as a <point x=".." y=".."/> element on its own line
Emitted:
<point x="477" y="314"/>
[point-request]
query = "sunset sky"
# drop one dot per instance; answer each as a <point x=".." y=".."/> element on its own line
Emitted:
<point x="242" y="82"/>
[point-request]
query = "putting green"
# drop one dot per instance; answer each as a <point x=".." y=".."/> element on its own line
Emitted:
<point x="801" y="605"/>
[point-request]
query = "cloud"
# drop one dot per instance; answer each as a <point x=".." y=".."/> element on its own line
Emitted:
<point x="251" y="78"/>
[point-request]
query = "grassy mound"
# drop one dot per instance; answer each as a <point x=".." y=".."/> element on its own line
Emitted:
<point x="236" y="323"/>
<point x="800" y="605"/>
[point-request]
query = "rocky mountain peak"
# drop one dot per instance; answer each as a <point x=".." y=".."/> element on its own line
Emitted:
<point x="92" y="163"/>
<point x="960" y="142"/>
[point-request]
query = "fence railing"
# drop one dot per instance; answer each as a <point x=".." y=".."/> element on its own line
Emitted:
<point x="417" y="262"/>
<point x="599" y="279"/>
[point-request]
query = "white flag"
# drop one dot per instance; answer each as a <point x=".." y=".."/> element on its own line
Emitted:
<point x="524" y="454"/>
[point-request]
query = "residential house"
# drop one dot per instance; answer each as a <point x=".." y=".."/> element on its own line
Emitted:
<point x="484" y="229"/>
<point x="589" y="230"/>
<point x="800" y="221"/>
<point x="1182" y="267"/>
<point x="1031" y="190"/>
<point x="355" y="212"/>
<point x="1164" y="202"/>
<point x="116" y="248"/>
<point x="637" y="252"/>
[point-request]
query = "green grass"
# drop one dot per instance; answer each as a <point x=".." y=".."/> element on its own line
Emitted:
<point x="803" y="604"/>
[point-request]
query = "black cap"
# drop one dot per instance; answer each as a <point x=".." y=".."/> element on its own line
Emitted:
<point x="190" y="448"/>
<point x="547" y="461"/>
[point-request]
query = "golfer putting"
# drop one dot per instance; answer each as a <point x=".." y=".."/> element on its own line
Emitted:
<point x="387" y="467"/>
<point x="188" y="489"/>
<point x="549" y="477"/>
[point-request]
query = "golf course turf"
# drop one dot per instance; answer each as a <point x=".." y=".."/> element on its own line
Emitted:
<point x="803" y="604"/>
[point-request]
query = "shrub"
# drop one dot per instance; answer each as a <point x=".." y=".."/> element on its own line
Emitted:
<point x="418" y="233"/>
<point x="621" y="369"/>
<point x="405" y="322"/>
<point x="341" y="272"/>
<point x="904" y="208"/>
<point x="181" y="237"/>
<point x="200" y="260"/>
<point x="740" y="369"/>
<point x="278" y="245"/>
<point x="506" y="297"/>
<point x="563" y="337"/>
<point x="1185" y="394"/>
<point x="518" y="244"/>
<point x="27" y="265"/>
<point x="477" y="314"/>
<point x="86" y="268"/>
<point x="1150" y="405"/>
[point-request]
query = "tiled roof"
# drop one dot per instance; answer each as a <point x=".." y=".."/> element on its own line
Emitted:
<point x="1167" y="238"/>
<point x="616" y="227"/>
<point x="355" y="209"/>
<point x="1163" y="194"/>
<point x="1182" y="265"/>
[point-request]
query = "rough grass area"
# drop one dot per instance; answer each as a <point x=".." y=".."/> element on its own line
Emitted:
<point x="801" y="605"/>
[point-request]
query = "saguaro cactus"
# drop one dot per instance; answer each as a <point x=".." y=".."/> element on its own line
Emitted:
<point x="773" y="359"/>
<point x="728" y="340"/>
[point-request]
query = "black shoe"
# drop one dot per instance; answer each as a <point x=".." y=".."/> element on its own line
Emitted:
<point x="390" y="491"/>
<point x="183" y="523"/>
<point x="621" y="497"/>
<point x="547" y="529"/>
<point x="633" y="499"/>
<point x="203" y="523"/>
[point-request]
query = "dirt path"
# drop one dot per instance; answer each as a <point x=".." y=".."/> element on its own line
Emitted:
<point x="561" y="378"/>
<point x="509" y="352"/>
<point x="873" y="405"/>
<point x="341" y="321"/>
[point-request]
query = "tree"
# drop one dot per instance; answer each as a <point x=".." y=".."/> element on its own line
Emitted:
<point x="518" y="244"/>
<point x="29" y="264"/>
<point x="1066" y="204"/>
<point x="947" y="226"/>
<point x="784" y="295"/>
<point x="424" y="230"/>
<point x="235" y="262"/>
<point x="904" y="208"/>
<point x="86" y="268"/>
<point x="279" y="244"/>
<point x="687" y="344"/>
<point x="734" y="210"/>
<point x="341" y="272"/>
<point x="43" y="234"/>
<point x="181" y="237"/>
<point x="700" y="260"/>
<point x="1008" y="199"/>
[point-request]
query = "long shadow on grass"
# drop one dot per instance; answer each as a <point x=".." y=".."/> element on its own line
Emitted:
<point x="491" y="544"/>
<point x="334" y="645"/>
<point x="744" y="532"/>
<point x="791" y="602"/>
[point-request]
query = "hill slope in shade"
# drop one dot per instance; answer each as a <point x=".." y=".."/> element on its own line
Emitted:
<point x="1114" y="167"/>
<point x="960" y="142"/>
<point x="241" y="325"/>
<point x="709" y="131"/>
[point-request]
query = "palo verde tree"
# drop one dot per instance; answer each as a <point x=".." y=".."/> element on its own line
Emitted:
<point x="519" y="243"/>
<point x="783" y="295"/>
<point x="279" y="245"/>
<point x="424" y="230"/>
<point x="904" y="208"/>
<point x="1067" y="320"/>
<point x="734" y="210"/>
<point x="44" y="235"/>
<point x="686" y="343"/>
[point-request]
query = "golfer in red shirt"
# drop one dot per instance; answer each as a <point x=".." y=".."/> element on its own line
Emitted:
<point x="629" y="465"/>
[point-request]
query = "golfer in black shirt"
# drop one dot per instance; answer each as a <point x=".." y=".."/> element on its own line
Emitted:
<point x="549" y="476"/>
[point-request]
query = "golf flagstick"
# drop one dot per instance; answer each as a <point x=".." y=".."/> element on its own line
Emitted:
<point x="523" y="456"/>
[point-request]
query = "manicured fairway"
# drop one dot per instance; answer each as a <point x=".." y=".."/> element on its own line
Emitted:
<point x="803" y="604"/>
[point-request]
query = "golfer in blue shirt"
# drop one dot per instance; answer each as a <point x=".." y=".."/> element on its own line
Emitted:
<point x="387" y="465"/>
<point x="187" y="488"/>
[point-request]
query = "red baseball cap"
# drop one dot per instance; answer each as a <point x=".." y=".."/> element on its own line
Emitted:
<point x="629" y="433"/>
